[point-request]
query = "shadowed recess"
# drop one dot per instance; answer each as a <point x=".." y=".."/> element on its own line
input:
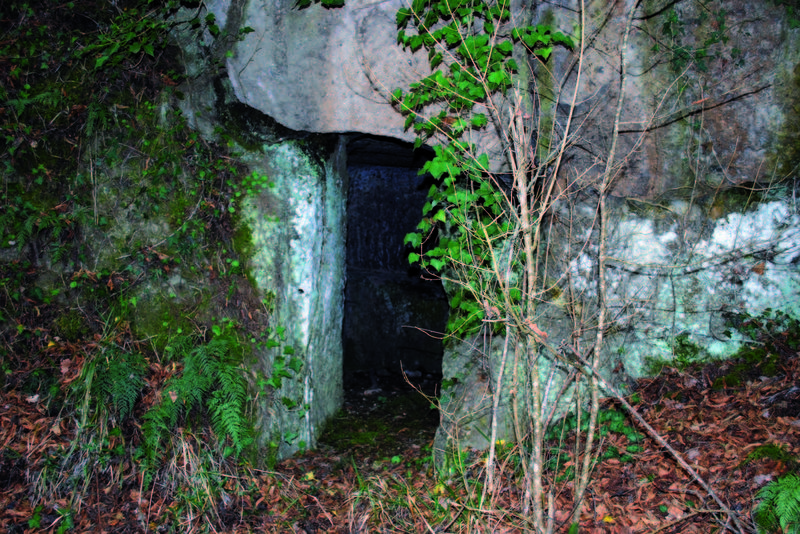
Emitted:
<point x="394" y="316"/>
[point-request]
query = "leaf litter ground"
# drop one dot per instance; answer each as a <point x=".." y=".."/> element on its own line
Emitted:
<point x="373" y="470"/>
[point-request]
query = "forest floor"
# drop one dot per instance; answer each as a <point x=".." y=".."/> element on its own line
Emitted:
<point x="736" y="423"/>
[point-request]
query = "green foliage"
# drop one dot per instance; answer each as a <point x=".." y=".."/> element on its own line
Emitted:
<point x="687" y="352"/>
<point x="779" y="506"/>
<point x="119" y="380"/>
<point x="772" y="333"/>
<point x="253" y="184"/>
<point x="71" y="325"/>
<point x="133" y="32"/>
<point x="467" y="215"/>
<point x="212" y="381"/>
<point x="698" y="50"/>
<point x="772" y="327"/>
<point x="83" y="83"/>
<point x="35" y="223"/>
<point x="35" y="521"/>
<point x="25" y="99"/>
<point x="610" y="421"/>
<point x="66" y="522"/>
<point x="100" y="169"/>
<point x="285" y="365"/>
<point x="43" y="208"/>
<point x="772" y="452"/>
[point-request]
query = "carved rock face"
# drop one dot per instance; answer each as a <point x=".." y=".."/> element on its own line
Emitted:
<point x="709" y="118"/>
<point x="711" y="100"/>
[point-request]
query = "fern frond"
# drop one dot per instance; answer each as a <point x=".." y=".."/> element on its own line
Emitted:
<point x="27" y="228"/>
<point x="56" y="226"/>
<point x="228" y="405"/>
<point x="154" y="429"/>
<point x="232" y="382"/>
<point x="226" y="418"/>
<point x="48" y="98"/>
<point x="779" y="506"/>
<point x="119" y="380"/>
<point x="97" y="118"/>
<point x="178" y="347"/>
<point x="199" y="371"/>
<point x="58" y="252"/>
<point x="211" y="379"/>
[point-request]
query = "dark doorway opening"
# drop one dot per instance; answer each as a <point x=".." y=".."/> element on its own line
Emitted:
<point x="393" y="317"/>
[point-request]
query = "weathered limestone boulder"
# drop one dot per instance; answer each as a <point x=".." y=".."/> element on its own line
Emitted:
<point x="317" y="69"/>
<point x="677" y="283"/>
<point x="298" y="228"/>
<point x="708" y="96"/>
<point x="676" y="275"/>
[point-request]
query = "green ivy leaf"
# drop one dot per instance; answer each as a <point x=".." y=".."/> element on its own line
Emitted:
<point x="403" y="16"/>
<point x="499" y="77"/>
<point x="451" y="35"/>
<point x="436" y="167"/>
<point x="414" y="239"/>
<point x="479" y="120"/>
<point x="295" y="364"/>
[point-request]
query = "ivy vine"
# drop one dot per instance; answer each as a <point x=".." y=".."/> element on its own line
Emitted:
<point x="472" y="50"/>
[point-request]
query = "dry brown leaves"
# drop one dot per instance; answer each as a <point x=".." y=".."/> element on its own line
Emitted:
<point x="327" y="491"/>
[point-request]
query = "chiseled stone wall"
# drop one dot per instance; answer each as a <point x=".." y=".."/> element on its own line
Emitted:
<point x="298" y="229"/>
